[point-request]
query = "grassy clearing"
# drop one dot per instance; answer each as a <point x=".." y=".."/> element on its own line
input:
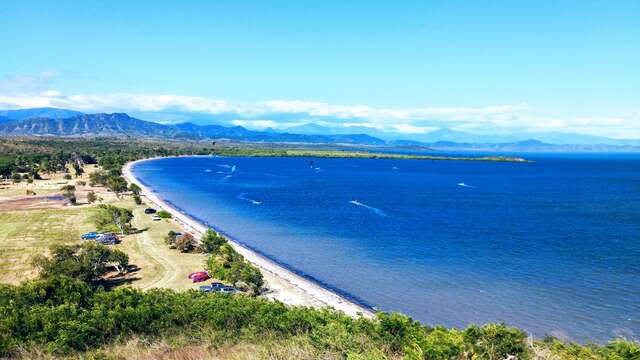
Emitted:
<point x="26" y="233"/>
<point x="159" y="265"/>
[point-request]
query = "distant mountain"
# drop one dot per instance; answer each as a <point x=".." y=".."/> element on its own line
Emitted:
<point x="446" y="134"/>
<point x="531" y="146"/>
<point x="48" y="112"/>
<point x="120" y="124"/>
<point x="117" y="124"/>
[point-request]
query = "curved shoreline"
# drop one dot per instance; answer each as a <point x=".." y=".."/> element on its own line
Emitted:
<point x="285" y="285"/>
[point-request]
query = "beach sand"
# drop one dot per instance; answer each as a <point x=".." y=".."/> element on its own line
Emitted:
<point x="284" y="285"/>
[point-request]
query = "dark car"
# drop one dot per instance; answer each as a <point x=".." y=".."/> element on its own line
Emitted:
<point x="107" y="239"/>
<point x="213" y="287"/>
<point x="149" y="211"/>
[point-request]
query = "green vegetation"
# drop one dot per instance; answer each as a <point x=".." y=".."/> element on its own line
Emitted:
<point x="212" y="241"/>
<point x="92" y="197"/>
<point x="88" y="262"/>
<point x="69" y="192"/>
<point x="273" y="152"/>
<point x="25" y="233"/>
<point x="62" y="315"/>
<point x="109" y="218"/>
<point x="164" y="214"/>
<point x="227" y="265"/>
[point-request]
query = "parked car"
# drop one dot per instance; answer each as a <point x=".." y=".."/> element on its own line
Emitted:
<point x="156" y="218"/>
<point x="107" y="239"/>
<point x="90" y="235"/>
<point x="149" y="211"/>
<point x="213" y="287"/>
<point x="199" y="276"/>
<point x="228" y="290"/>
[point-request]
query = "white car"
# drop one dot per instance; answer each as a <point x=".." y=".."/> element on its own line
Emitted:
<point x="156" y="218"/>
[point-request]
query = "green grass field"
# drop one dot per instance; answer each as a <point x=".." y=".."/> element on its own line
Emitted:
<point x="26" y="233"/>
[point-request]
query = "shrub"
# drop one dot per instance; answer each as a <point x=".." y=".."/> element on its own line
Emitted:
<point x="496" y="341"/>
<point x="170" y="239"/>
<point x="227" y="265"/>
<point x="87" y="262"/>
<point x="211" y="241"/>
<point x="164" y="214"/>
<point x="92" y="197"/>
<point x="137" y="199"/>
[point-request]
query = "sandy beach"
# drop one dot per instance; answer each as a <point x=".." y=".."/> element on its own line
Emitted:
<point x="284" y="285"/>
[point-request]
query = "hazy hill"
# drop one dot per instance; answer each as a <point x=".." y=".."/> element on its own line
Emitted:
<point x="120" y="124"/>
<point x="47" y="112"/>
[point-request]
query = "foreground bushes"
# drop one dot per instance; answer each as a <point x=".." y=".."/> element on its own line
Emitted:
<point x="64" y="315"/>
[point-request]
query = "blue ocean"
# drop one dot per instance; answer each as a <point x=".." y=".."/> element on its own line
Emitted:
<point x="552" y="246"/>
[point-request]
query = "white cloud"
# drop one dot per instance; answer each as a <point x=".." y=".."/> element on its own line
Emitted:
<point x="410" y="129"/>
<point x="256" y="124"/>
<point x="36" y="91"/>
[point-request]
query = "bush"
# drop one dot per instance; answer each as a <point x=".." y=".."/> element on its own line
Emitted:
<point x="211" y="241"/>
<point x="137" y="199"/>
<point x="496" y="341"/>
<point x="170" y="239"/>
<point x="229" y="266"/>
<point x="87" y="262"/>
<point x="92" y="197"/>
<point x="164" y="214"/>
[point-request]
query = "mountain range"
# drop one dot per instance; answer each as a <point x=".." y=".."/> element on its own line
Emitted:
<point x="446" y="134"/>
<point x="121" y="124"/>
<point x="70" y="123"/>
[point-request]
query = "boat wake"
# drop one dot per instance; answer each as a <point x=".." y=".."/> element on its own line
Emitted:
<point x="208" y="171"/>
<point x="373" y="209"/>
<point x="232" y="169"/>
<point x="465" y="185"/>
<point x="243" y="196"/>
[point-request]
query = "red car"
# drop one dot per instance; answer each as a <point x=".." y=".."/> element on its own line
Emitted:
<point x="199" y="276"/>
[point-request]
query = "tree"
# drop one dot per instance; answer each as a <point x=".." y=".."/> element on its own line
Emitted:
<point x="78" y="169"/>
<point x="135" y="189"/>
<point x="69" y="192"/>
<point x="185" y="243"/>
<point x="117" y="184"/>
<point x="108" y="217"/>
<point x="170" y="239"/>
<point x="92" y="197"/>
<point x="211" y="241"/>
<point x="88" y="262"/>
<point x="137" y="199"/>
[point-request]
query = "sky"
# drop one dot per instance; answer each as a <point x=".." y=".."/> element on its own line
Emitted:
<point x="406" y="66"/>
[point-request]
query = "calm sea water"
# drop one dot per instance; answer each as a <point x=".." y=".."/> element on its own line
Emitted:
<point x="552" y="247"/>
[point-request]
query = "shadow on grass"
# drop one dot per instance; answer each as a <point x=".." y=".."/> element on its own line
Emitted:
<point x="117" y="279"/>
<point x="138" y="231"/>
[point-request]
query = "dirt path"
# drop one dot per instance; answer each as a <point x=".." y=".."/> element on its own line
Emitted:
<point x="32" y="202"/>
<point x="170" y="270"/>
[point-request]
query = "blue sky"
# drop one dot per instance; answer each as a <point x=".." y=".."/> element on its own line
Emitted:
<point x="481" y="66"/>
